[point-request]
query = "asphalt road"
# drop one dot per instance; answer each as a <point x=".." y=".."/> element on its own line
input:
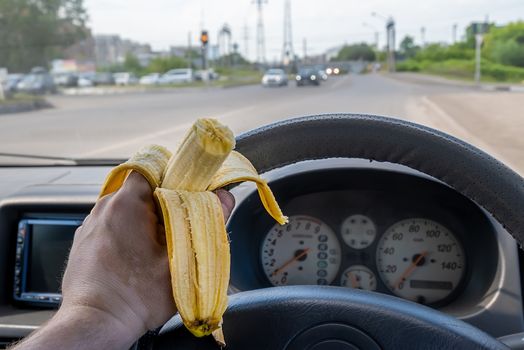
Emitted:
<point x="116" y="125"/>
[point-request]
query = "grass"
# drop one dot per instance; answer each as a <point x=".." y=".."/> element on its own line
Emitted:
<point x="21" y="98"/>
<point x="464" y="70"/>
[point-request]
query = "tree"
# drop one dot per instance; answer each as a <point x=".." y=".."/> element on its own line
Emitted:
<point x="407" y="47"/>
<point x="356" y="52"/>
<point x="32" y="32"/>
<point x="505" y="45"/>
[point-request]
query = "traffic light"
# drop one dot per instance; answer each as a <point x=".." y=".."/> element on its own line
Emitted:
<point x="204" y="38"/>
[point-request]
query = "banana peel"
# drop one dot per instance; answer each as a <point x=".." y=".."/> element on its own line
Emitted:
<point x="196" y="238"/>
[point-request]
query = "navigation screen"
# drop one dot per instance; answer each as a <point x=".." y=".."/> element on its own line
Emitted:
<point x="47" y="256"/>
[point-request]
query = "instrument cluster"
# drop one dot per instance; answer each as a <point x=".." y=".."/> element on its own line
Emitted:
<point x="415" y="258"/>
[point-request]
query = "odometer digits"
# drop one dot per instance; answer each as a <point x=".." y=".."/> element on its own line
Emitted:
<point x="420" y="260"/>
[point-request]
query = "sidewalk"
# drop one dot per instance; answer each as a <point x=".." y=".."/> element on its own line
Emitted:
<point x="421" y="78"/>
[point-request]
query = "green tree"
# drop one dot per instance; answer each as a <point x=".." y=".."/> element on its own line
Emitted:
<point x="132" y="64"/>
<point x="505" y="45"/>
<point x="32" y="32"/>
<point x="163" y="64"/>
<point x="408" y="49"/>
<point x="356" y="52"/>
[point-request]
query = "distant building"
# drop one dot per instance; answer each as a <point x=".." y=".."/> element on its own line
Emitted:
<point x="332" y="53"/>
<point x="112" y="49"/>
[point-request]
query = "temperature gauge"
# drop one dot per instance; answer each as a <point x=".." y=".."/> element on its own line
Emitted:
<point x="358" y="231"/>
<point x="359" y="277"/>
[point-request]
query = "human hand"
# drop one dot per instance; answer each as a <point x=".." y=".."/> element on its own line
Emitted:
<point x="118" y="270"/>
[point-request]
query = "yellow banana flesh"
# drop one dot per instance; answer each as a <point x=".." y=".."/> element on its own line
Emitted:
<point x="197" y="242"/>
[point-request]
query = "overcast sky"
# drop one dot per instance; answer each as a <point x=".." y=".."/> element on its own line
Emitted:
<point x="324" y="23"/>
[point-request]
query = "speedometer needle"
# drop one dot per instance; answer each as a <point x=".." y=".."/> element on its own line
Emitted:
<point x="289" y="262"/>
<point x="410" y="269"/>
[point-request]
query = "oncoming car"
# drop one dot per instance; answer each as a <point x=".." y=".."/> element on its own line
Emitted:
<point x="308" y="76"/>
<point x="275" y="77"/>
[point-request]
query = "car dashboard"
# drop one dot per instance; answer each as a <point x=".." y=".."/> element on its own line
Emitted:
<point x="353" y="223"/>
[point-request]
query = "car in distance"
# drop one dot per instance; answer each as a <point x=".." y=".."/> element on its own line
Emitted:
<point x="275" y="77"/>
<point x="39" y="81"/>
<point x="150" y="79"/>
<point x="177" y="76"/>
<point x="125" y="78"/>
<point x="308" y="76"/>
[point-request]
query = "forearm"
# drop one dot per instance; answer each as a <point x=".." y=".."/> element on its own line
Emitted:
<point x="81" y="328"/>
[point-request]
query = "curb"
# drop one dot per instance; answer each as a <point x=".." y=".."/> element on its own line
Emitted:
<point x="435" y="79"/>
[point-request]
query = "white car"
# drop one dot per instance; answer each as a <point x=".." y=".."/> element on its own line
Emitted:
<point x="125" y="78"/>
<point x="150" y="79"/>
<point x="176" y="76"/>
<point x="274" y="77"/>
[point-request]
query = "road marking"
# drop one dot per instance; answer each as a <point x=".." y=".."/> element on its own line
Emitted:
<point x="342" y="80"/>
<point x="464" y="133"/>
<point x="157" y="134"/>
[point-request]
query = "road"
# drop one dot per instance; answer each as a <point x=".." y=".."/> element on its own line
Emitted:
<point x="116" y="125"/>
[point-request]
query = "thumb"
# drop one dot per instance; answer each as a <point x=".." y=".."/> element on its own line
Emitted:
<point x="137" y="184"/>
<point x="228" y="202"/>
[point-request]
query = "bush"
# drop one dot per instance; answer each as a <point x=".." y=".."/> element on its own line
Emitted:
<point x="163" y="64"/>
<point x="408" y="66"/>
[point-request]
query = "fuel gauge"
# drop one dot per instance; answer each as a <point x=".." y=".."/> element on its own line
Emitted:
<point x="359" y="277"/>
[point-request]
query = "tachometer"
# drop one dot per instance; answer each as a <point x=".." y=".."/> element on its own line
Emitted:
<point x="420" y="260"/>
<point x="304" y="251"/>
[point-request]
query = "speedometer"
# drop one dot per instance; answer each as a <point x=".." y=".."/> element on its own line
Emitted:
<point x="420" y="260"/>
<point x="304" y="251"/>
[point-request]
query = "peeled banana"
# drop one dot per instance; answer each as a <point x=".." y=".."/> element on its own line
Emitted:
<point x="197" y="242"/>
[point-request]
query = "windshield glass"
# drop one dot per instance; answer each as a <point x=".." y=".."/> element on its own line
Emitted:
<point x="457" y="66"/>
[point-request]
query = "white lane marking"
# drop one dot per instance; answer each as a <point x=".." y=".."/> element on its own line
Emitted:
<point x="142" y="139"/>
<point x="339" y="82"/>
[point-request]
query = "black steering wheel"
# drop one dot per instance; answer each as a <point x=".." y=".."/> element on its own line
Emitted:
<point x="323" y="318"/>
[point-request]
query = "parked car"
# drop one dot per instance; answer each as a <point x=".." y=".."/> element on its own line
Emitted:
<point x="66" y="79"/>
<point x="125" y="78"/>
<point x="39" y="81"/>
<point x="176" y="76"/>
<point x="150" y="79"/>
<point x="275" y="77"/>
<point x="11" y="82"/>
<point x="307" y="76"/>
<point x="201" y="74"/>
<point x="103" y="78"/>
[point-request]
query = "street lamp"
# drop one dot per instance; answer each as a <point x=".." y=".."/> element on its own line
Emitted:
<point x="390" y="38"/>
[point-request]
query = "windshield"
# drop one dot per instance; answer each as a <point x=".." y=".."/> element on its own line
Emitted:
<point x="457" y="66"/>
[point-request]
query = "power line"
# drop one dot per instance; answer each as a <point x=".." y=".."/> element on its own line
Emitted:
<point x="261" y="44"/>
<point x="287" y="50"/>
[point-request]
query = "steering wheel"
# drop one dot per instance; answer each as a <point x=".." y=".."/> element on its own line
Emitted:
<point x="323" y="318"/>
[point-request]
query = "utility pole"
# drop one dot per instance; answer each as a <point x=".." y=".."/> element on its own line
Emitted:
<point x="246" y="41"/>
<point x="261" y="42"/>
<point x="304" y="48"/>
<point x="454" y="33"/>
<point x="189" y="53"/>
<point x="478" y="44"/>
<point x="287" y="50"/>
<point x="423" y="36"/>
<point x="390" y="40"/>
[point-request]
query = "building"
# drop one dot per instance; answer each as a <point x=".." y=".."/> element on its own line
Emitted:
<point x="112" y="49"/>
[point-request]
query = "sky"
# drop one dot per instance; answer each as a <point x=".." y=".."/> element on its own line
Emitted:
<point x="321" y="24"/>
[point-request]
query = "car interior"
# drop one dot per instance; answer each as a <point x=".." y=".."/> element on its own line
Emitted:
<point x="396" y="231"/>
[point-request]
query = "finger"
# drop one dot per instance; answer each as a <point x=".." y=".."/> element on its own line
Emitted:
<point x="138" y="185"/>
<point x="228" y="202"/>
